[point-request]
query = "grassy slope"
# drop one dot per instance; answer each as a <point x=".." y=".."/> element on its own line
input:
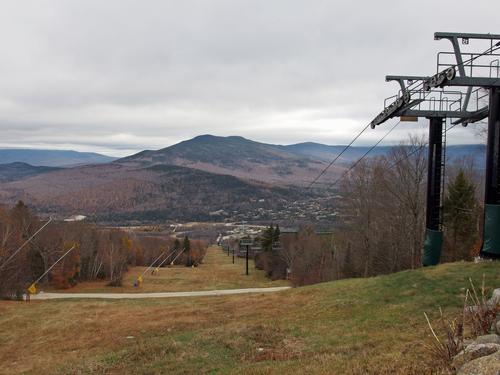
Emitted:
<point x="216" y="272"/>
<point x="352" y="326"/>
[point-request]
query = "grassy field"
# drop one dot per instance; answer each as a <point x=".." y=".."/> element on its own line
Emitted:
<point x="216" y="272"/>
<point x="356" y="326"/>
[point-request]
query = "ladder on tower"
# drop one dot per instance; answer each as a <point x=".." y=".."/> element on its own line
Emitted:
<point x="442" y="193"/>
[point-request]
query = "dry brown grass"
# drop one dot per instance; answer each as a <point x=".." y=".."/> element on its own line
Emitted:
<point x="38" y="335"/>
<point x="449" y="332"/>
<point x="360" y="326"/>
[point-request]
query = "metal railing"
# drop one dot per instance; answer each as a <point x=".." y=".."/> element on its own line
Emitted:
<point x="475" y="64"/>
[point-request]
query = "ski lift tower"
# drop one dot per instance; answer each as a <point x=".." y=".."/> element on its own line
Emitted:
<point x="476" y="71"/>
<point x="413" y="102"/>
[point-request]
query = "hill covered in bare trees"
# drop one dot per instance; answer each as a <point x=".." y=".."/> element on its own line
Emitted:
<point x="114" y="192"/>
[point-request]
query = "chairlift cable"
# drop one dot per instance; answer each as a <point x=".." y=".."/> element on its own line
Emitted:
<point x="24" y="244"/>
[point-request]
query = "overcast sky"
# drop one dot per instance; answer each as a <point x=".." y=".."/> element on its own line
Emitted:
<point x="118" y="76"/>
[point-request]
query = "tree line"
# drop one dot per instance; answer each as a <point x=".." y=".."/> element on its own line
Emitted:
<point x="98" y="253"/>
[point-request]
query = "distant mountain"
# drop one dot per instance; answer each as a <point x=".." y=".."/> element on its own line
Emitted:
<point x="327" y="153"/>
<point x="476" y="152"/>
<point x="51" y="158"/>
<point x="236" y="156"/>
<point x="18" y="170"/>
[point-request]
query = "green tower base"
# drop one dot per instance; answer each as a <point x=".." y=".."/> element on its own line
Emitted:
<point x="491" y="234"/>
<point x="432" y="247"/>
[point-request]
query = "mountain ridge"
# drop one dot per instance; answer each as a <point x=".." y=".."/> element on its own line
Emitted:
<point x="51" y="158"/>
<point x="233" y="155"/>
<point x="294" y="150"/>
<point x="277" y="164"/>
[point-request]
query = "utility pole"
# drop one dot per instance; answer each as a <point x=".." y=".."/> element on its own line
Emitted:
<point x="248" y="249"/>
<point x="246" y="242"/>
<point x="233" y="255"/>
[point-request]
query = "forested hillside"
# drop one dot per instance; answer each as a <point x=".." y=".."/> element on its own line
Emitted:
<point x="113" y="192"/>
<point x="18" y="170"/>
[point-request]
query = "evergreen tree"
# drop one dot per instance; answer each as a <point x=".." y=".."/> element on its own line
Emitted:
<point x="277" y="232"/>
<point x="268" y="238"/>
<point x="460" y="217"/>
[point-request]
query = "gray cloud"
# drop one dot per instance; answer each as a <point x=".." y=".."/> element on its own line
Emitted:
<point x="120" y="76"/>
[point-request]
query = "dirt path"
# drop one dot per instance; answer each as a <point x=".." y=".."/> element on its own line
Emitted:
<point x="223" y="292"/>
